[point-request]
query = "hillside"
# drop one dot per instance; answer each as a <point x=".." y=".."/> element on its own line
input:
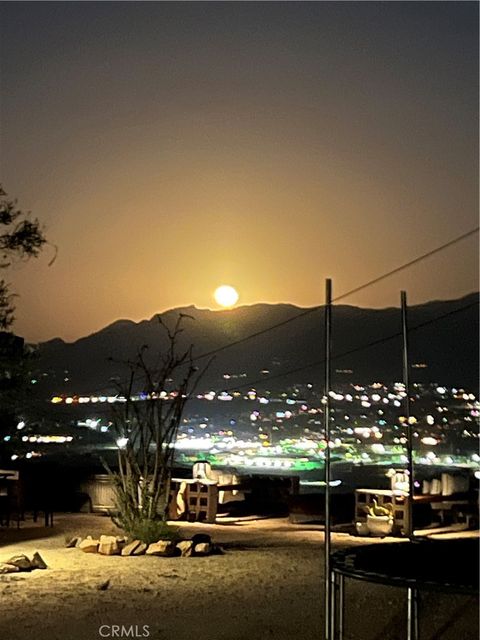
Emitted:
<point x="449" y="346"/>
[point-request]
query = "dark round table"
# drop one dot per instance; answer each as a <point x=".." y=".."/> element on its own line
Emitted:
<point x="418" y="565"/>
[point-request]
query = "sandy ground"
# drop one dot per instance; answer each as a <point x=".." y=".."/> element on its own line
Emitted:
<point x="268" y="585"/>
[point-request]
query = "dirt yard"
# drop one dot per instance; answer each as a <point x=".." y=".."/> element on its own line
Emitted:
<point x="268" y="584"/>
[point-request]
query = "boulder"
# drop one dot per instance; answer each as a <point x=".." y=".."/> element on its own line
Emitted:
<point x="165" y="548"/>
<point x="89" y="545"/>
<point x="141" y="549"/>
<point x="185" y="547"/>
<point x="130" y="547"/>
<point x="21" y="561"/>
<point x="108" y="546"/>
<point x="38" y="562"/>
<point x="8" y="568"/>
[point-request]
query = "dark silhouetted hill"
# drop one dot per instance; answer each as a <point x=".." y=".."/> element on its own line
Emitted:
<point x="448" y="346"/>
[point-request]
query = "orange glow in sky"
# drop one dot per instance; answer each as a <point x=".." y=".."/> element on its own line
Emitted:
<point x="170" y="147"/>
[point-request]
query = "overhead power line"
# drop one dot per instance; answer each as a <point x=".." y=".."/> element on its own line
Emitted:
<point x="409" y="264"/>
<point x="361" y="287"/>
<point x="357" y="289"/>
<point x="337" y="356"/>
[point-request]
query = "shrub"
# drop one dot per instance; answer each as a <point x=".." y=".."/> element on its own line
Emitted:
<point x="149" y="531"/>
<point x="146" y="424"/>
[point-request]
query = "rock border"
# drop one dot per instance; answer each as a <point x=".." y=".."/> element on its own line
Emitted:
<point x="200" y="545"/>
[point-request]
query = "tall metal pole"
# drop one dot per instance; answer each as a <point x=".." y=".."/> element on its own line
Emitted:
<point x="413" y="630"/>
<point x="406" y="382"/>
<point x="328" y="348"/>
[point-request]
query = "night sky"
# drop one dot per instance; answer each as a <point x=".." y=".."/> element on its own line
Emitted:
<point x="172" y="147"/>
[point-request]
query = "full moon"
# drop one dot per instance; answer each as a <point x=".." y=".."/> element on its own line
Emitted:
<point x="226" y="296"/>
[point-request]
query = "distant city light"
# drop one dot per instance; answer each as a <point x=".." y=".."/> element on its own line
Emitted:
<point x="282" y="432"/>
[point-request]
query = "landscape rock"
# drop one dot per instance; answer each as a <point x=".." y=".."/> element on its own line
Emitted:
<point x="72" y="542"/>
<point x="217" y="550"/>
<point x="201" y="537"/>
<point x="103" y="586"/>
<point x="21" y="561"/>
<point x="130" y="547"/>
<point x="121" y="541"/>
<point x="89" y="545"/>
<point x="8" y="568"/>
<point x="141" y="549"/>
<point x="185" y="547"/>
<point x="202" y="549"/>
<point x="202" y="544"/>
<point x="164" y="548"/>
<point x="38" y="562"/>
<point x="108" y="546"/>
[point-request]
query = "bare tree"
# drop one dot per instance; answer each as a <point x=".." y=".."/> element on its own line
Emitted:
<point x="146" y="423"/>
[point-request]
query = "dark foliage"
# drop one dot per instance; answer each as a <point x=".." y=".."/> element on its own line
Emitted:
<point x="21" y="238"/>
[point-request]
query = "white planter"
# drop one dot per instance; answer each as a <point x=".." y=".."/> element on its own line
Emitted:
<point x="379" y="525"/>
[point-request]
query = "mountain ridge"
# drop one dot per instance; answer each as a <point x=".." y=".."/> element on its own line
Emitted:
<point x="450" y="344"/>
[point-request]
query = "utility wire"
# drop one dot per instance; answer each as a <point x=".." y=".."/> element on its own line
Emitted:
<point x="361" y="287"/>
<point x="409" y="264"/>
<point x="384" y="276"/>
<point x="352" y="351"/>
<point x="338" y="356"/>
